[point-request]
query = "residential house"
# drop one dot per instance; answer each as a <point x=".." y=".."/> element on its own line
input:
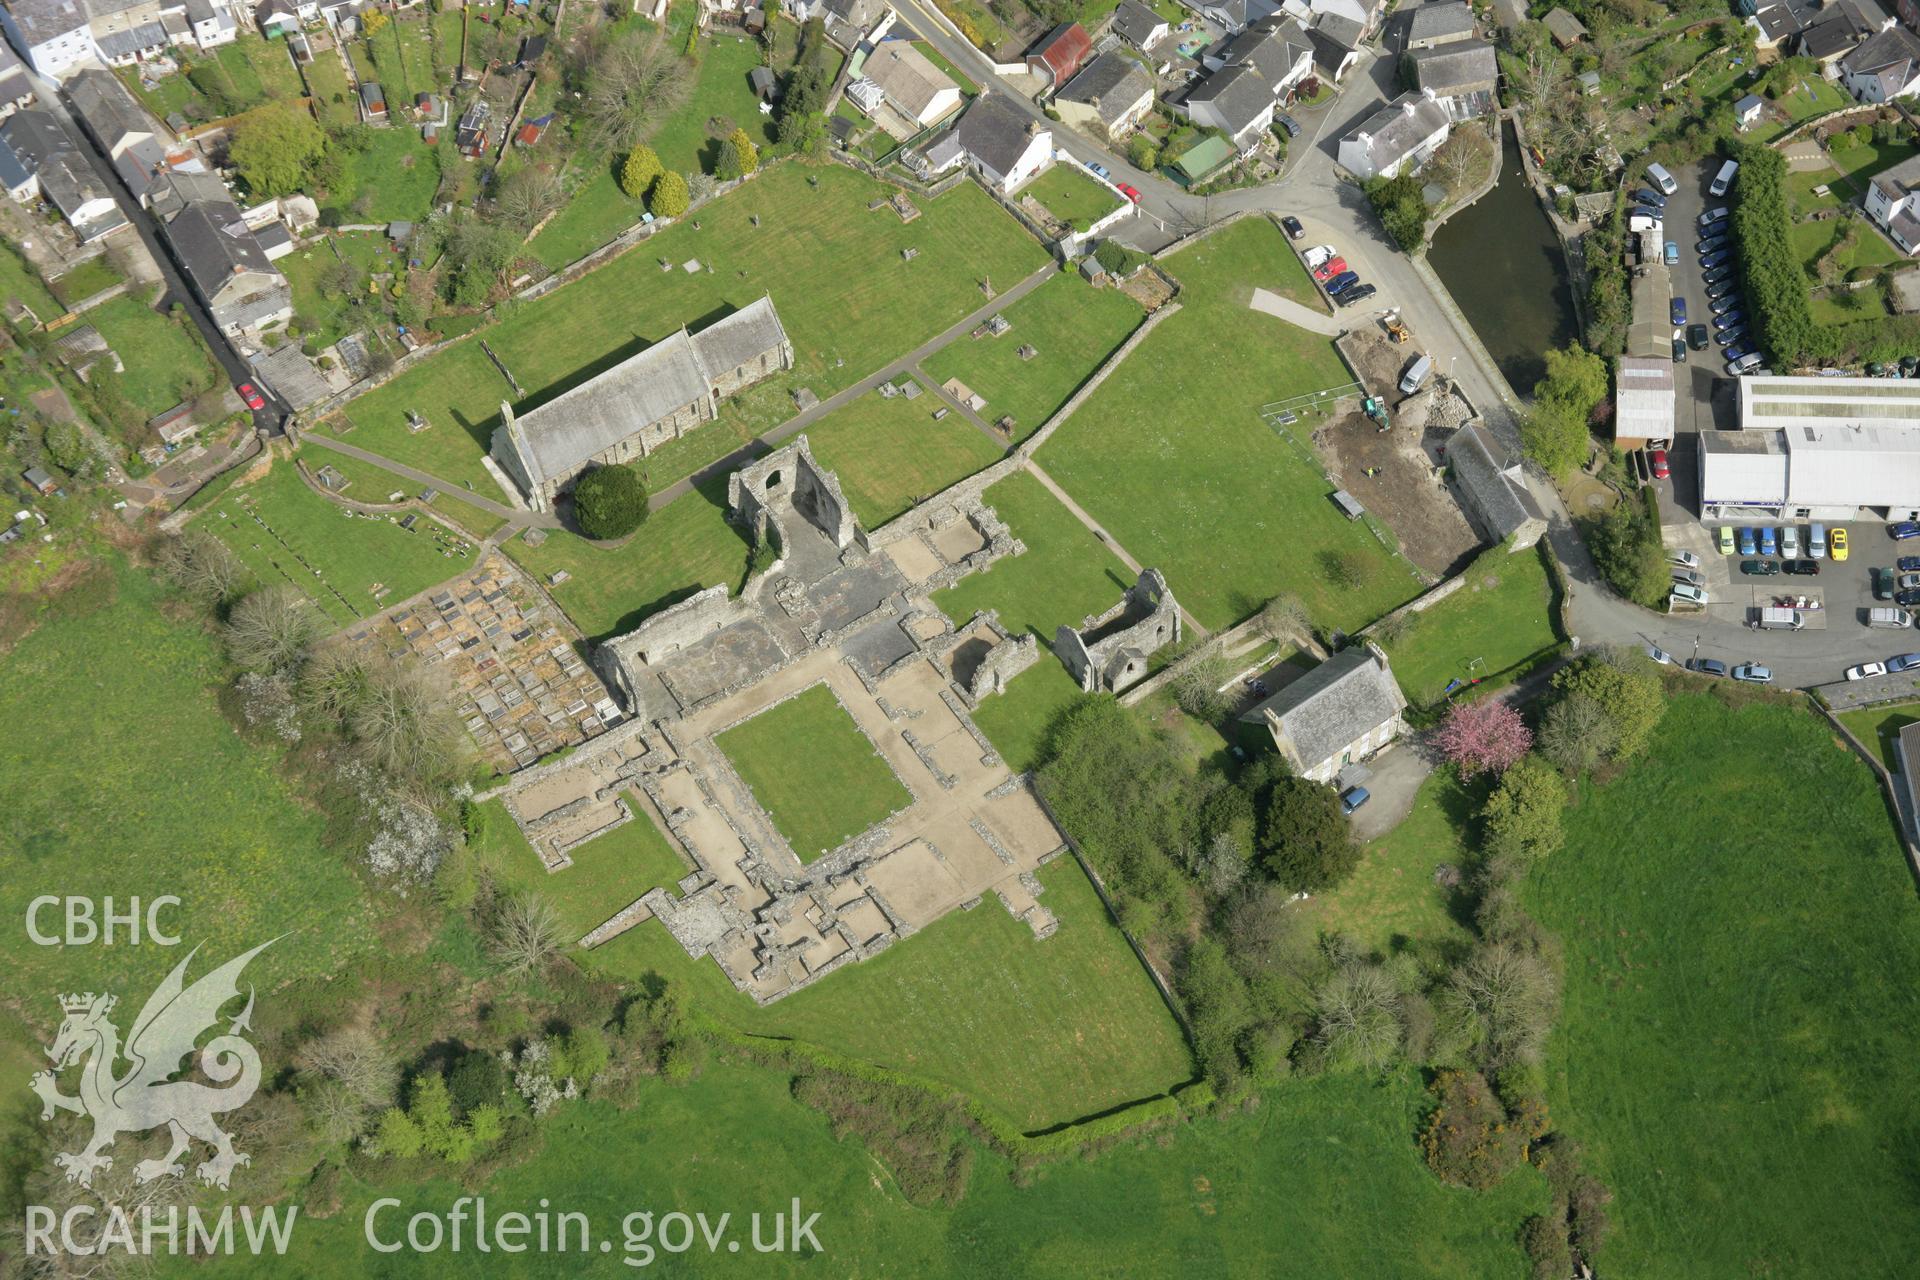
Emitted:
<point x="212" y="25"/>
<point x="847" y="21"/>
<point x="1366" y="15"/>
<point x="17" y="175"/>
<point x="1893" y="202"/>
<point x="1343" y="711"/>
<point x="1565" y="29"/>
<point x="228" y="268"/>
<point x="1277" y="47"/>
<point x="1493" y="489"/>
<point x="1138" y="25"/>
<point x="1060" y="53"/>
<point x="910" y="83"/>
<point x="35" y="136"/>
<point x="1234" y="15"/>
<point x="1839" y="28"/>
<point x="1236" y="101"/>
<point x="1779" y="25"/>
<point x="1336" y="44"/>
<point x="53" y="36"/>
<point x="1004" y="146"/>
<point x="69" y="183"/>
<point x="1462" y="75"/>
<point x="173" y="190"/>
<point x="1747" y="112"/>
<point x="274" y="240"/>
<point x="16" y="90"/>
<point x="1884" y="67"/>
<point x="1112" y="92"/>
<point x="110" y="114"/>
<point x="277" y="17"/>
<point x="1398" y="138"/>
<point x="1439" y="22"/>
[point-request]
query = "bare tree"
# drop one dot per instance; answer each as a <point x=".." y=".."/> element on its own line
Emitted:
<point x="355" y="1057"/>
<point x="1196" y="684"/>
<point x="334" y="680"/>
<point x="529" y="196"/>
<point x="632" y="85"/>
<point x="1358" y="1016"/>
<point x="271" y="629"/>
<point x="1513" y="994"/>
<point x="202" y="566"/>
<point x="1577" y="734"/>
<point x="403" y="724"/>
<point x="526" y="933"/>
<point x="1285" y="620"/>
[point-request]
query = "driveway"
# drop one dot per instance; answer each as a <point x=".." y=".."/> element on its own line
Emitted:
<point x="1393" y="783"/>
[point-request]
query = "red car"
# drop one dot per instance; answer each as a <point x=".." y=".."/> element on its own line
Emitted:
<point x="254" y="399"/>
<point x="1329" y="269"/>
<point x="1659" y="460"/>
<point x="1130" y="192"/>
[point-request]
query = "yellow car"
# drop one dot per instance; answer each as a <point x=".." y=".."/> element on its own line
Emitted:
<point x="1837" y="544"/>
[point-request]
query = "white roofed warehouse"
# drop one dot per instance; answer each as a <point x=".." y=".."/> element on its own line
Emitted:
<point x="1816" y="449"/>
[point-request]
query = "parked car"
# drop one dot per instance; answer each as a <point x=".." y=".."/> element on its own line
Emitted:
<point x="1657" y="174"/>
<point x="1908" y="564"/>
<point x="1903" y="662"/>
<point x="1730" y="318"/>
<point x="1720" y="275"/>
<point x="1907" y="581"/>
<point x="1352" y="798"/>
<point x="1730" y="337"/>
<point x="1723" y="180"/>
<point x="1707" y="666"/>
<point x="1677" y="311"/>
<point x="1319" y="254"/>
<point x="1679" y="351"/>
<point x="1725" y="538"/>
<point x="1671" y="254"/>
<point x="1359" y="293"/>
<point x="1817" y="541"/>
<point x="1718" y="289"/>
<point x="1690" y="577"/>
<point x="1648" y="196"/>
<point x="1329" y="269"/>
<point x="1720" y="306"/>
<point x="1717" y="228"/>
<point x="1907" y="599"/>
<point x="255" y="401"/>
<point x="1881" y="580"/>
<point x="1866" y="671"/>
<point x="1345" y="280"/>
<point x="1289" y="224"/>
<point x="1760" y="568"/>
<point x="1681" y="556"/>
<point x="1801" y="568"/>
<point x="1900" y="532"/>
<point x="1697" y="336"/>
<point x="1659" y="655"/>
<point x="1744" y="363"/>
<point x="1130" y="192"/>
<point x="1753" y="673"/>
<point x="1837" y="543"/>
<point x="1288" y="123"/>
<point x="1710" y="244"/>
<point x="1689" y="594"/>
<point x="1715" y="215"/>
<point x="1717" y="257"/>
<point x="1658" y="457"/>
<point x="1769" y="540"/>
<point x="1741" y="355"/>
<point x="1099" y="170"/>
<point x="1746" y="541"/>
<point x="1790" y="541"/>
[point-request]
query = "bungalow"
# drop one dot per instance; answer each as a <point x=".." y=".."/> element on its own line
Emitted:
<point x="1344" y="710"/>
<point x="1138" y="25"/>
<point x="1400" y="137"/>
<point x="1060" y="54"/>
<point x="1462" y="76"/>
<point x="909" y="81"/>
<point x="1437" y="23"/>
<point x="1236" y="101"/>
<point x="1884" y="67"/>
<point x="1004" y="146"/>
<point x="1113" y="92"/>
<point x="1893" y="202"/>
<point x="52" y="35"/>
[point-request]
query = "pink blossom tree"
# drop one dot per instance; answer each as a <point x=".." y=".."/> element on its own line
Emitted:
<point x="1481" y="735"/>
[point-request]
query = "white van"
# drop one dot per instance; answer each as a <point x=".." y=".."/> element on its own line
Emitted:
<point x="1688" y="594"/>
<point x="1790" y="542"/>
<point x="1643" y="222"/>
<point x="1781" y="620"/>
<point x="1723" y="180"/>
<point x="1658" y="175"/>
<point x="1817" y="541"/>
<point x="1415" y="375"/>
<point x="1889" y="617"/>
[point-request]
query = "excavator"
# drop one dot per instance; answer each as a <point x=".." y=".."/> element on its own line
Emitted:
<point x="1376" y="408"/>
<point x="1396" y="331"/>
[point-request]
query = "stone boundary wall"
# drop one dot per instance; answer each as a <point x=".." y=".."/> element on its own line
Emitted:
<point x="1420" y="603"/>
<point x="1888" y="786"/>
<point x="1219" y="642"/>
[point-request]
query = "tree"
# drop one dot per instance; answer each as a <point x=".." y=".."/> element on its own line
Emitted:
<point x="1284" y="619"/>
<point x="1522" y="816"/>
<point x="1470" y="1139"/>
<point x="202" y="566"/>
<point x="638" y="171"/>
<point x="478" y="255"/>
<point x="275" y="147"/>
<point x="1356" y="1013"/>
<point x="530" y="195"/>
<point x="402" y="724"/>
<point x="1142" y="152"/>
<point x="1574" y="376"/>
<point x="1626" y="550"/>
<point x="1555" y="436"/>
<point x="610" y="502"/>
<point x="1217" y="1009"/>
<point x="632" y="85"/>
<point x="1196" y="684"/>
<point x="1576" y="735"/>
<point x="1486" y="735"/>
<point x="739" y="154"/>
<point x="340" y="279"/>
<point x="670" y="196"/>
<point x="1628" y="692"/>
<point x="1401" y="205"/>
<point x="373" y="22"/>
<point x="398" y="1137"/>
<point x="525" y="933"/>
<point x="1305" y="841"/>
<point x="1512" y="995"/>
<point x="270" y="629"/>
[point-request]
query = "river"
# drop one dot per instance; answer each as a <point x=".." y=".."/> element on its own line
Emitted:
<point x="1501" y="261"/>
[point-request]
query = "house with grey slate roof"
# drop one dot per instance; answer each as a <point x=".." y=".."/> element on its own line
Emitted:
<point x="1004" y="146"/>
<point x="1344" y="710"/>
<point x="1886" y="66"/>
<point x="1464" y="76"/>
<point x="1400" y="137"/>
<point x="1234" y="100"/>
<point x="1113" y="91"/>
<point x="1493" y="489"/>
<point x="227" y="267"/>
<point x="1439" y="22"/>
<point x="640" y="404"/>
<point x="1139" y="25"/>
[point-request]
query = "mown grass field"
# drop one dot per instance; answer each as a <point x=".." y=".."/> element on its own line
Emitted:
<point x="1072" y="195"/>
<point x="1741" y="933"/>
<point x="166" y="362"/>
<point x="1073" y="328"/>
<point x="1044" y="1031"/>
<point x="1502" y="616"/>
<point x="1172" y="457"/>
<point x="813" y="771"/>
<point x="856" y="306"/>
<point x="890" y="453"/>
<point x="608" y="872"/>
<point x="351" y="566"/>
<point x="368" y="483"/>
<point x="1879" y="728"/>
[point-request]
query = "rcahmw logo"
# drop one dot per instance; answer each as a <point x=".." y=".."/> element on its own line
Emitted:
<point x="145" y="1097"/>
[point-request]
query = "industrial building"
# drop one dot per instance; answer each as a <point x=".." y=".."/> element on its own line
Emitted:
<point x="1831" y="449"/>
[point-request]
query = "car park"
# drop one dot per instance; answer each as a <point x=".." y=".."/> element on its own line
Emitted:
<point x="1646" y="195"/>
<point x="1742" y="354"/>
<point x="1697" y="336"/>
<point x="1837" y="543"/>
<point x="1688" y="594"/>
<point x="1800" y="568"/>
<point x="1903" y="662"/>
<point x="1671" y="254"/>
<point x="1907" y="581"/>
<point x="1718" y="289"/>
<point x="1745" y="363"/>
<point x="1352" y="798"/>
<point x="1746" y="541"/>
<point x="1707" y="666"/>
<point x="1345" y="280"/>
<point x="1359" y="293"/>
<point x="1657" y="174"/>
<point x="1290" y="225"/>
<point x="1677" y="311"/>
<point x="1769" y="540"/>
<point x="1866" y="671"/>
<point x="1689" y="577"/>
<point x="1901" y="531"/>
<point x="1760" y="568"/>
<point x="1318" y="254"/>
<point x="1725" y="539"/>
<point x="1753" y="673"/>
<point x="1720" y="275"/>
<point x="1898" y="619"/>
<point x="1790" y="541"/>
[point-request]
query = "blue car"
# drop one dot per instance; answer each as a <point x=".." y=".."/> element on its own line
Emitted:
<point x="1739" y="350"/>
<point x="1342" y="282"/>
<point x="1731" y="318"/>
<point x="1352" y="798"/>
<point x="1712" y="229"/>
<point x="1708" y="666"/>
<point x="1769" y="544"/>
<point x="1727" y="337"/>
<point x="1904" y="530"/>
<point x="1646" y="195"/>
<point x="1678" y="311"/>
<point x="1908" y="564"/>
<point x="1903" y="662"/>
<point x="1746" y="542"/>
<point x="1715" y="258"/>
<point x="1671" y="255"/>
<point x="1098" y="170"/>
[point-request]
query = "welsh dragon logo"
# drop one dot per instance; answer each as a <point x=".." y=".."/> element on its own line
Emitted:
<point x="145" y="1096"/>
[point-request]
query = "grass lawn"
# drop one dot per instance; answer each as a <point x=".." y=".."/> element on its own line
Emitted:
<point x="856" y="306"/>
<point x="1073" y="195"/>
<point x="368" y="483"/>
<point x="165" y="360"/>
<point x="1171" y="455"/>
<point x="1739" y="1002"/>
<point x="1045" y="1031"/>
<point x="327" y="81"/>
<point x="608" y="872"/>
<point x="683" y="547"/>
<point x="1016" y="720"/>
<point x="1502" y="616"/>
<point x="783" y="754"/>
<point x="351" y="566"/>
<point x="1879" y="727"/>
<point x="1074" y="329"/>
<point x="124" y="779"/>
<point x="890" y="453"/>
<point x="393" y="179"/>
<point x="1859" y="165"/>
<point x="85" y="280"/>
<point x="18" y="280"/>
<point x="331" y="319"/>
